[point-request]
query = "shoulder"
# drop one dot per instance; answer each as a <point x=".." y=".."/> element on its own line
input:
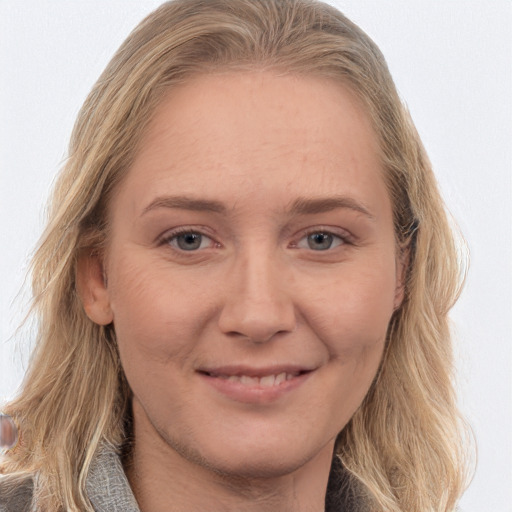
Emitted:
<point x="16" y="493"/>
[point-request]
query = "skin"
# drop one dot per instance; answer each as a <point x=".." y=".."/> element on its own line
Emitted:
<point x="255" y="293"/>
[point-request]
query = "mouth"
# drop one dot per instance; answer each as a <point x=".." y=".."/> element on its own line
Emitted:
<point x="255" y="385"/>
<point x="262" y="380"/>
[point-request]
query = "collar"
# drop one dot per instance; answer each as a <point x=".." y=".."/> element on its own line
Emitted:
<point x="107" y="486"/>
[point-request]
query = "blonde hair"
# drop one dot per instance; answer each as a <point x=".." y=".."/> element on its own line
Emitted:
<point x="403" y="449"/>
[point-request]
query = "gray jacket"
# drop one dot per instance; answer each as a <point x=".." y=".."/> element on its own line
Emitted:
<point x="107" y="488"/>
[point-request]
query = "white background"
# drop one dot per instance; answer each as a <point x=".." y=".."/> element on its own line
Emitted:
<point x="452" y="62"/>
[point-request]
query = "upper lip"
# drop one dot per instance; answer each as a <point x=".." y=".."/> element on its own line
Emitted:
<point x="251" y="371"/>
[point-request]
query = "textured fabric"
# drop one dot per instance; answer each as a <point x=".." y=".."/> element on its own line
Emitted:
<point x="107" y="486"/>
<point x="18" y="498"/>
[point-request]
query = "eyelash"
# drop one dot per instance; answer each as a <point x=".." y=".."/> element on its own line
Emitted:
<point x="345" y="238"/>
<point x="168" y="238"/>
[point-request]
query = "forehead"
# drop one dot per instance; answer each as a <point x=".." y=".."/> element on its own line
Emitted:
<point x="257" y="131"/>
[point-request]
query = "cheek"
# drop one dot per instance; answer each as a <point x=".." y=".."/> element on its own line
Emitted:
<point x="353" y="312"/>
<point x="152" y="317"/>
<point x="356" y="369"/>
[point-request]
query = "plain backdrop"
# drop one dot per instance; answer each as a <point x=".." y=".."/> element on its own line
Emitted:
<point x="452" y="63"/>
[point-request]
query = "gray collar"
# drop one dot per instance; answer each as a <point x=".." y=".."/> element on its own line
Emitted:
<point x="107" y="486"/>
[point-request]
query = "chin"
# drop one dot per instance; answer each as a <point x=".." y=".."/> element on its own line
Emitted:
<point x="257" y="467"/>
<point x="246" y="459"/>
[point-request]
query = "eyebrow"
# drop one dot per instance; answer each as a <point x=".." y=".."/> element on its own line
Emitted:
<point x="185" y="203"/>
<point x="309" y="206"/>
<point x="301" y="206"/>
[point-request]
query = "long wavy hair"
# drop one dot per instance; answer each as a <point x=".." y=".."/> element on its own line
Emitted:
<point x="404" y="448"/>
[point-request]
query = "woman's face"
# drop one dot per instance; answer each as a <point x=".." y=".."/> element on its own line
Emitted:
<point x="252" y="270"/>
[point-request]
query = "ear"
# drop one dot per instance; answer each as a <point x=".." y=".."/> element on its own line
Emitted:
<point x="402" y="265"/>
<point x="92" y="288"/>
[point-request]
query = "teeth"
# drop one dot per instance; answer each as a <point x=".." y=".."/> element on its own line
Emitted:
<point x="282" y="377"/>
<point x="266" y="381"/>
<point x="249" y="381"/>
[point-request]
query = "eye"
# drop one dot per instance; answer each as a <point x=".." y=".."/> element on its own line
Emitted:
<point x="320" y="241"/>
<point x="188" y="241"/>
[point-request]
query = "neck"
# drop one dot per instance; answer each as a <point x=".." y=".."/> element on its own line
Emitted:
<point x="164" y="480"/>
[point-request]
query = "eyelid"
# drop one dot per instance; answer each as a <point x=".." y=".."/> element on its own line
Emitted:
<point x="346" y="237"/>
<point x="169" y="235"/>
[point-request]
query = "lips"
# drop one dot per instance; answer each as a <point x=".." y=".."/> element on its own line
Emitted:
<point x="255" y="385"/>
<point x="265" y="381"/>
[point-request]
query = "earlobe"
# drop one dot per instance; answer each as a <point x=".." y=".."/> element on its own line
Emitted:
<point x="92" y="288"/>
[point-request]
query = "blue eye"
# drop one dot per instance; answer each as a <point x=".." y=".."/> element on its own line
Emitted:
<point x="320" y="241"/>
<point x="189" y="241"/>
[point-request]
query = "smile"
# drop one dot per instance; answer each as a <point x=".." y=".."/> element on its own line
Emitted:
<point x="265" y="381"/>
<point x="256" y="386"/>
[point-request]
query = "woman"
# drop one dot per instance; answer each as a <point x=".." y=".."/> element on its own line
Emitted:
<point x="244" y="284"/>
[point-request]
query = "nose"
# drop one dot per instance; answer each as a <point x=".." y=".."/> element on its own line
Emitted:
<point x="259" y="302"/>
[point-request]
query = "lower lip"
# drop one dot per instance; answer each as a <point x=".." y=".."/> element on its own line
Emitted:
<point x="254" y="394"/>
